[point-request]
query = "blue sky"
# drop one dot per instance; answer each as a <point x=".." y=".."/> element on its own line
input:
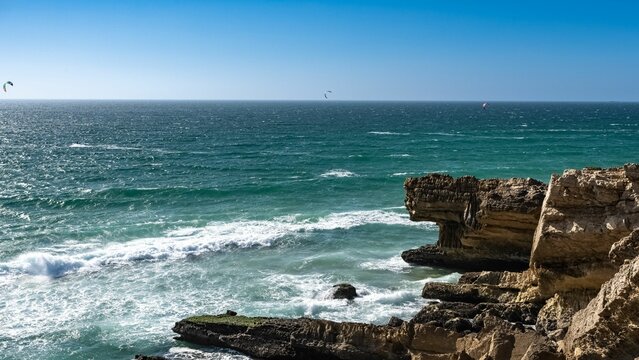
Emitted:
<point x="362" y="50"/>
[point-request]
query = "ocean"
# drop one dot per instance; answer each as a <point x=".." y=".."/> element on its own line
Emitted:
<point x="118" y="218"/>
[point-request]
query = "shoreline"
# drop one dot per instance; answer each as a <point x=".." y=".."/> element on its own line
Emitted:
<point x="583" y="254"/>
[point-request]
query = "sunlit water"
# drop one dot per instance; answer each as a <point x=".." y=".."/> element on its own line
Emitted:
<point x="119" y="218"/>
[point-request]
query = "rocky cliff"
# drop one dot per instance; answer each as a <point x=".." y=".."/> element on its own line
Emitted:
<point x="484" y="224"/>
<point x="584" y="213"/>
<point x="582" y="233"/>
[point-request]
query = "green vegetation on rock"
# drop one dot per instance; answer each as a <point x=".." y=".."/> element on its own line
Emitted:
<point x="237" y="320"/>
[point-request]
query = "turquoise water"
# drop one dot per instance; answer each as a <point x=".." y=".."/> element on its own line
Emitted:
<point x="119" y="218"/>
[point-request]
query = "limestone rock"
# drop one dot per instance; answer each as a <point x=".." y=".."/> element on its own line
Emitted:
<point x="464" y="259"/>
<point x="584" y="213"/>
<point x="625" y="249"/>
<point x="608" y="328"/>
<point x="497" y="340"/>
<point x="492" y="219"/>
<point x="558" y="311"/>
<point x="313" y="339"/>
<point x="469" y="293"/>
<point x="543" y="349"/>
<point x="440" y="313"/>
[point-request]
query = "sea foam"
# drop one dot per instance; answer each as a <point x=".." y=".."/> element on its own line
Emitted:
<point x="339" y="173"/>
<point x="394" y="264"/>
<point x="309" y="295"/>
<point x="192" y="241"/>
<point x="387" y="133"/>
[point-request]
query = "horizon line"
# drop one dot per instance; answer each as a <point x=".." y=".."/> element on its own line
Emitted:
<point x="322" y="100"/>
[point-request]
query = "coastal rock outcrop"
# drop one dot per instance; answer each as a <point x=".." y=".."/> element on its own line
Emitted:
<point x="483" y="224"/>
<point x="562" y="244"/>
<point x="584" y="213"/>
<point x="608" y="328"/>
<point x="314" y="339"/>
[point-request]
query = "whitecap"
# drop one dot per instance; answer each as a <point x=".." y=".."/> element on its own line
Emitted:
<point x="338" y="173"/>
<point x="309" y="295"/>
<point x="393" y="264"/>
<point x="400" y="174"/>
<point x="183" y="353"/>
<point x="449" y="278"/>
<point x="387" y="133"/>
<point x="39" y="263"/>
<point x="400" y="155"/>
<point x="105" y="147"/>
<point x="188" y="241"/>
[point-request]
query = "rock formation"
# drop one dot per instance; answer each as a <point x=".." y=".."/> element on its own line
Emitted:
<point x="310" y="339"/>
<point x="303" y="338"/>
<point x="584" y="213"/>
<point x="484" y="224"/>
<point x="344" y="291"/>
<point x="584" y="232"/>
<point x="608" y="328"/>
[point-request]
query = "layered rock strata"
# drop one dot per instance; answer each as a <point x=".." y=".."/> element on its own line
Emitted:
<point x="303" y="338"/>
<point x="583" y="233"/>
<point x="483" y="224"/>
<point x="608" y="328"/>
<point x="584" y="213"/>
<point x="314" y="339"/>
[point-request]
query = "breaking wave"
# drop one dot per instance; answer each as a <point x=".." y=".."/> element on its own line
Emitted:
<point x="339" y="173"/>
<point x="193" y="241"/>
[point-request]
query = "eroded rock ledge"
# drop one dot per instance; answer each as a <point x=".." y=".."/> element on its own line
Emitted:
<point x="483" y="224"/>
<point x="313" y="339"/>
<point x="577" y="299"/>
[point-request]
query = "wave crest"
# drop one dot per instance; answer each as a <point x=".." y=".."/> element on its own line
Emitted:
<point x="192" y="241"/>
<point x="339" y="173"/>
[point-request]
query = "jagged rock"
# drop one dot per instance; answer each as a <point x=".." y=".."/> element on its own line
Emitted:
<point x="497" y="340"/>
<point x="395" y="321"/>
<point x="149" y="357"/>
<point x="312" y="339"/>
<point x="625" y="249"/>
<point x="489" y="222"/>
<point x="230" y="313"/>
<point x="556" y="314"/>
<point x="439" y="313"/>
<point x="505" y="279"/>
<point x="469" y="293"/>
<point x="543" y="349"/>
<point x="608" y="327"/>
<point x="463" y="259"/>
<point x="458" y="324"/>
<point x="344" y="291"/>
<point x="584" y="213"/>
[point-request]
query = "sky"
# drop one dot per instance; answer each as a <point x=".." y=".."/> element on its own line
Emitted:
<point x="295" y="50"/>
